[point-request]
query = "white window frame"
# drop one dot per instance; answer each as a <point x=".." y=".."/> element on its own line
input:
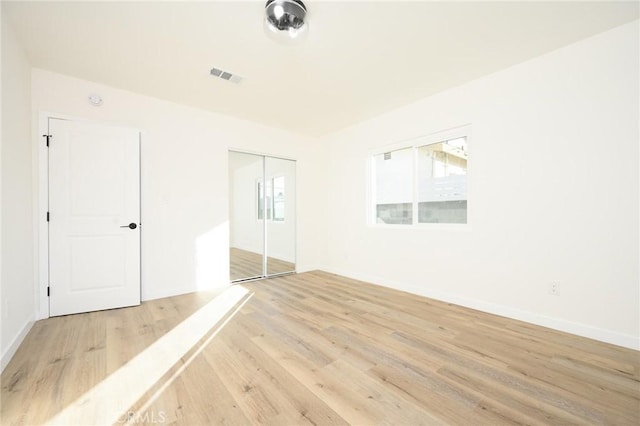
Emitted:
<point x="414" y="144"/>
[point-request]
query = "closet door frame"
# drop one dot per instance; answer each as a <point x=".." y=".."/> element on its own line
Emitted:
<point x="265" y="221"/>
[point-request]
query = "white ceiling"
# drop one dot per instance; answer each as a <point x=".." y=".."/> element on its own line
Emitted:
<point x="359" y="59"/>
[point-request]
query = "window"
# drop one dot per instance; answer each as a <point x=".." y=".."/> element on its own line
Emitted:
<point x="442" y="182"/>
<point x="394" y="187"/>
<point x="275" y="201"/>
<point x="424" y="183"/>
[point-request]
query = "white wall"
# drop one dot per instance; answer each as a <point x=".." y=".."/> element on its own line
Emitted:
<point x="17" y="293"/>
<point x="553" y="194"/>
<point x="185" y="208"/>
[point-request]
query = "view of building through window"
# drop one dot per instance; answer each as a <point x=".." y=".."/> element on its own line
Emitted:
<point x="394" y="187"/>
<point x="422" y="184"/>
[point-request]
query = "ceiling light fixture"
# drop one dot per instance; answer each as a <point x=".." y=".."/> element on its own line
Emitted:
<point x="284" y="19"/>
<point x="95" y="99"/>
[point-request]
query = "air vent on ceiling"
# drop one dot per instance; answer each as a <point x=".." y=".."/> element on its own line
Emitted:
<point x="387" y="156"/>
<point x="225" y="75"/>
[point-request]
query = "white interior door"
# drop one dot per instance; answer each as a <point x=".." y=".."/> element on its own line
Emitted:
<point x="94" y="195"/>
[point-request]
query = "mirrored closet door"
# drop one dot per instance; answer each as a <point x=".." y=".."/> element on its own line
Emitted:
<point x="262" y="216"/>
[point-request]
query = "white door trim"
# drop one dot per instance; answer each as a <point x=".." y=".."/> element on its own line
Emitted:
<point x="42" y="205"/>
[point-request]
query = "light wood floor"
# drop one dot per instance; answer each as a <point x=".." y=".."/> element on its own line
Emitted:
<point x="317" y="348"/>
<point x="246" y="264"/>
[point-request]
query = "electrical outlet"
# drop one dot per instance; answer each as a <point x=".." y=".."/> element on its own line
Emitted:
<point x="554" y="288"/>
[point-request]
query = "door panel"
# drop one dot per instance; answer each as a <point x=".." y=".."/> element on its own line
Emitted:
<point x="246" y="207"/>
<point x="281" y="228"/>
<point x="262" y="212"/>
<point x="94" y="190"/>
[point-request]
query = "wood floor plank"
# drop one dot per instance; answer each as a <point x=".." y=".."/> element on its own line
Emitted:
<point x="296" y="404"/>
<point x="317" y="348"/>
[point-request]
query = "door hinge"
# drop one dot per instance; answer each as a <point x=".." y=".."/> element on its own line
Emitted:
<point x="48" y="137"/>
<point x="47" y="216"/>
<point x="48" y="291"/>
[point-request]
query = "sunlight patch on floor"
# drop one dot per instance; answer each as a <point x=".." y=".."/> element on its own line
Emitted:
<point x="109" y="400"/>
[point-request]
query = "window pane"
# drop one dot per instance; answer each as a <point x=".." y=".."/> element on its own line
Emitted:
<point x="442" y="182"/>
<point x="278" y="199"/>
<point x="393" y="178"/>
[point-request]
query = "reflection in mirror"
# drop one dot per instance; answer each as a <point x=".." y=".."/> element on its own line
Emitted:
<point x="246" y="228"/>
<point x="280" y="185"/>
<point x="262" y="212"/>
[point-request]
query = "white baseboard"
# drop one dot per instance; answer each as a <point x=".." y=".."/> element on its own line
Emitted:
<point x="153" y="295"/>
<point x="607" y="336"/>
<point x="306" y="268"/>
<point x="15" y="344"/>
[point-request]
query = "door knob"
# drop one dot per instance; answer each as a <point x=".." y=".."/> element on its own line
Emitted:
<point x="130" y="226"/>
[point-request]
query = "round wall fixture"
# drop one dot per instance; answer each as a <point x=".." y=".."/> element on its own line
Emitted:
<point x="285" y="19"/>
<point x="95" y="100"/>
